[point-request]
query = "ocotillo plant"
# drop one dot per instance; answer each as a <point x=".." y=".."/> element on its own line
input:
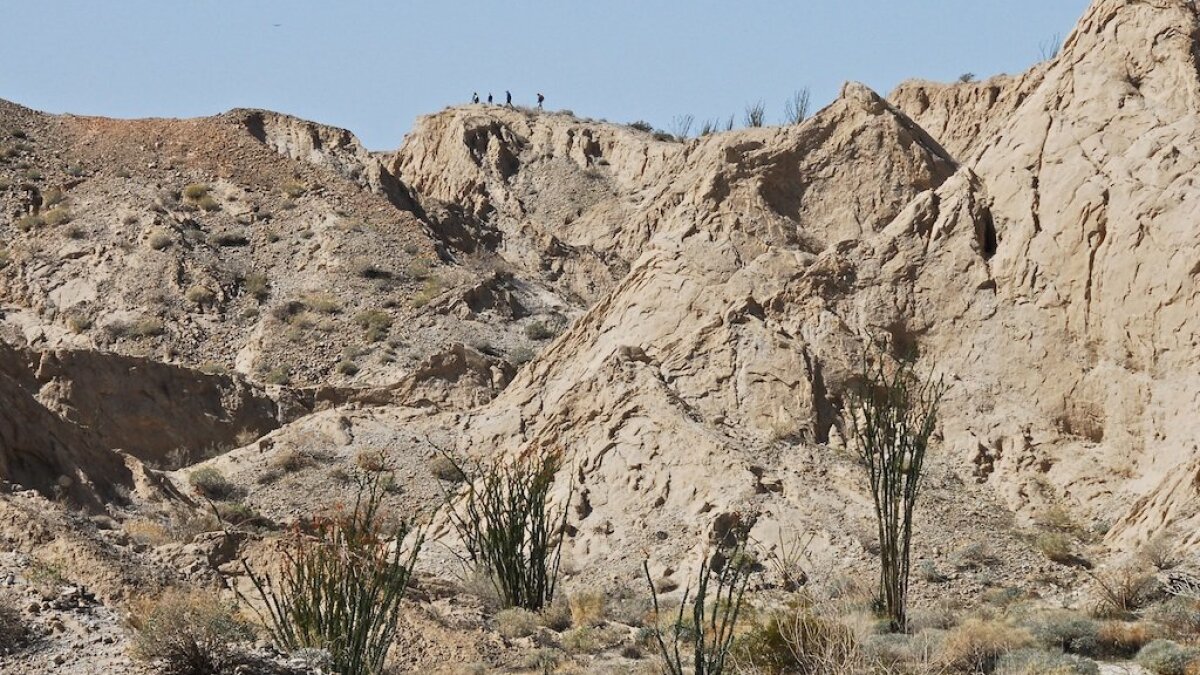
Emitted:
<point x="891" y="419"/>
<point x="710" y="635"/>
<point x="342" y="583"/>
<point x="511" y="531"/>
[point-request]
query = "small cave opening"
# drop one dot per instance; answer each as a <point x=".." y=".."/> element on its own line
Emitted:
<point x="986" y="232"/>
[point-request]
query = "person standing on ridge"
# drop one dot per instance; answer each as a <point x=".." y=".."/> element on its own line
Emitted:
<point x="475" y="97"/>
<point x="508" y="98"/>
<point x="541" y="100"/>
<point x="489" y="98"/>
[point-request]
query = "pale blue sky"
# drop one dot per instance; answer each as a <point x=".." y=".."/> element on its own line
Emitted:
<point x="373" y="66"/>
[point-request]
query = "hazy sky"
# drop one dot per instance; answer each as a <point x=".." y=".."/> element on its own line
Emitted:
<point x="373" y="66"/>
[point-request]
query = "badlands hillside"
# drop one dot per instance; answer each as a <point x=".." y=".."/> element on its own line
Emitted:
<point x="259" y="298"/>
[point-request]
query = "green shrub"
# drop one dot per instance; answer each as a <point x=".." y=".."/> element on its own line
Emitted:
<point x="1179" y="615"/>
<point x="200" y="295"/>
<point x="1164" y="657"/>
<point x="78" y="323"/>
<point x="323" y="304"/>
<point x="195" y="191"/>
<point x="75" y="170"/>
<point x="31" y="174"/>
<point x="429" y="291"/>
<point x="278" y="375"/>
<point x="211" y="483"/>
<point x="1121" y="591"/>
<point x="368" y="269"/>
<point x="1037" y="662"/>
<point x="57" y="216"/>
<point x="1067" y="631"/>
<point x="1055" y="546"/>
<point x="229" y="238"/>
<point x="158" y="240"/>
<point x="797" y="639"/>
<point x="342" y="584"/>
<point x="516" y="622"/>
<point x="294" y="189"/>
<point x="538" y="330"/>
<point x="444" y="468"/>
<point x="977" y="645"/>
<point x="187" y="632"/>
<point x="375" y="322"/>
<point x="511" y="532"/>
<point x="12" y="627"/>
<point x="208" y="204"/>
<point x="347" y="367"/>
<point x="29" y="222"/>
<point x="52" y="197"/>
<point x="257" y="286"/>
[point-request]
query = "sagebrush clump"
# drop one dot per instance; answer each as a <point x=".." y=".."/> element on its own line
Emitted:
<point x="187" y="632"/>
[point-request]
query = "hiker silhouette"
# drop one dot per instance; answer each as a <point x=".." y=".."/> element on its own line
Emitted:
<point x="508" y="98"/>
<point x="489" y="98"/>
<point x="541" y="100"/>
<point x="475" y="97"/>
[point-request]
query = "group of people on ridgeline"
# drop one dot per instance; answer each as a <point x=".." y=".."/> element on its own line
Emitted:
<point x="507" y="99"/>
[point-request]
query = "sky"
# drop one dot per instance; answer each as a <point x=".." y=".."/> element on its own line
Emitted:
<point x="373" y="66"/>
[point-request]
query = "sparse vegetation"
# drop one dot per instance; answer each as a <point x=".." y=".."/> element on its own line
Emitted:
<point x="756" y="114"/>
<point x="710" y="630"/>
<point x="57" y="216"/>
<point x="200" y="295"/>
<point x="211" y="483"/>
<point x="278" y="375"/>
<point x="977" y="644"/>
<point x="431" y="289"/>
<point x="587" y="608"/>
<point x="797" y="639"/>
<point x="538" y="330"/>
<point x="229" y="238"/>
<point x="294" y="189"/>
<point x="342" y="583"/>
<point x="347" y="367"/>
<point x="444" y="468"/>
<point x="377" y="323"/>
<point x="795" y="109"/>
<point x="1164" y="657"/>
<point x="891" y="419"/>
<point x="1055" y="546"/>
<point x="187" y="632"/>
<point x="511" y="532"/>
<point x="516" y="622"/>
<point x="1037" y="662"/>
<point x="195" y="191"/>
<point x="257" y="286"/>
<point x="1121" y="591"/>
<point x="158" y="240"/>
<point x="12" y="628"/>
<point x="29" y="222"/>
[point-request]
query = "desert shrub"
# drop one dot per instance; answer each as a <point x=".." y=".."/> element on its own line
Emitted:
<point x="292" y="460"/>
<point x="538" y="330"/>
<point x="122" y="173"/>
<point x="1057" y="517"/>
<point x="587" y="608"/>
<point x="148" y="531"/>
<point x="974" y="556"/>
<point x="147" y="326"/>
<point x="511" y="531"/>
<point x="799" y="639"/>
<point x="1123" y="639"/>
<point x="556" y="615"/>
<point x="278" y="375"/>
<point x="207" y="203"/>
<point x="891" y="419"/>
<point x="521" y="356"/>
<point x="200" y="295"/>
<point x="322" y="304"/>
<point x="430" y="290"/>
<point x="342" y="583"/>
<point x="1038" y="662"/>
<point x="294" y="189"/>
<point x="158" y="240"/>
<point x="375" y="322"/>
<point x="795" y="109"/>
<point x="78" y="323"/>
<point x="1164" y="657"/>
<point x="53" y="197"/>
<point x="1162" y="552"/>
<point x="12" y="628"/>
<point x="237" y="513"/>
<point x="346" y="367"/>
<point x="516" y="622"/>
<point x="444" y="468"/>
<point x="27" y="223"/>
<point x="75" y="232"/>
<point x="1179" y="616"/>
<point x="642" y="126"/>
<point x="1055" y="546"/>
<point x="977" y="645"/>
<point x="31" y="174"/>
<point x="256" y="286"/>
<point x="1121" y="591"/>
<point x="368" y="269"/>
<point x="1066" y="631"/>
<point x="229" y="238"/>
<point x="211" y="483"/>
<point x="186" y="632"/>
<point x="195" y="191"/>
